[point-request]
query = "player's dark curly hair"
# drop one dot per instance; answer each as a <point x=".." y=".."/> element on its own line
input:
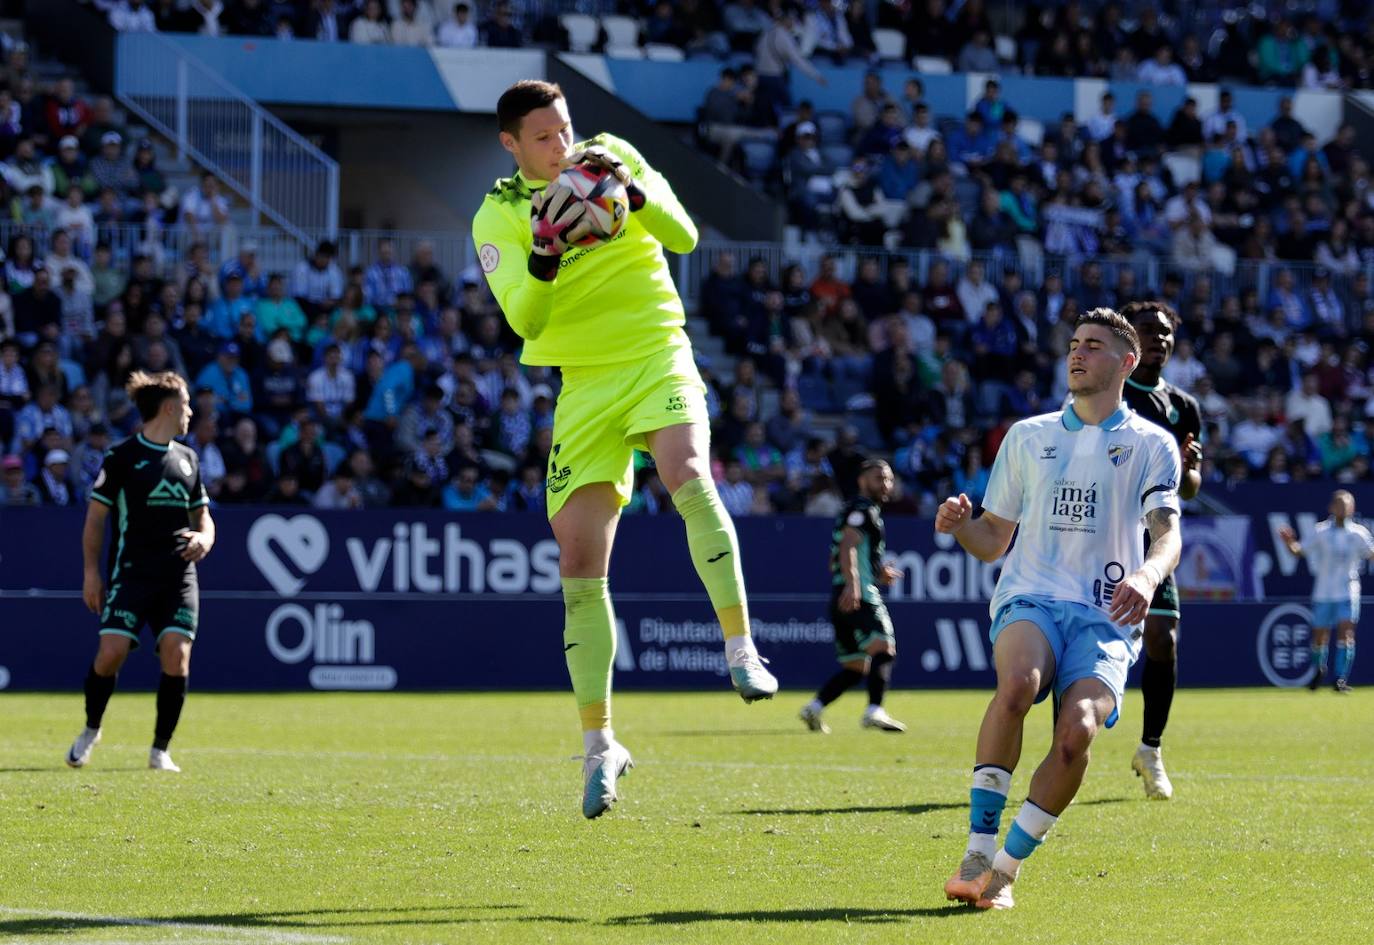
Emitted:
<point x="1135" y="311"/>
<point x="1116" y="323"/>
<point x="148" y="391"/>
<point x="522" y="98"/>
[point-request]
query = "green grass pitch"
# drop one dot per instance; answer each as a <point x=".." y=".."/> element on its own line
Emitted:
<point x="455" y="818"/>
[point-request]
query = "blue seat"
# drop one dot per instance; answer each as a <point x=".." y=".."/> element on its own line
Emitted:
<point x="759" y="157"/>
<point x="833" y="127"/>
<point x="815" y="393"/>
<point x="868" y="429"/>
<point x="846" y="388"/>
<point x="837" y="156"/>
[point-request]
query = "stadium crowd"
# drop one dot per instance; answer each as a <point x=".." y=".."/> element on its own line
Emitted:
<point x="1321" y="46"/>
<point x="1325" y="46"/>
<point x="380" y="381"/>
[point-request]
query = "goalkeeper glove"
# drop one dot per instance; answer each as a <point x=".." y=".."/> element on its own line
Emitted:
<point x="600" y="157"/>
<point x="557" y="220"/>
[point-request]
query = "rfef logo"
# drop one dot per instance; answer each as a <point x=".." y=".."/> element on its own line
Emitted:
<point x="1284" y="645"/>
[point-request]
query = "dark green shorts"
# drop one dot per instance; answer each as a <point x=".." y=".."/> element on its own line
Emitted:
<point x="854" y="631"/>
<point x="171" y="606"/>
<point x="1165" y="603"/>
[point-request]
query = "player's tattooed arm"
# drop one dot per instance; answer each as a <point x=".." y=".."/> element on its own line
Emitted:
<point x="1131" y="601"/>
<point x="1166" y="540"/>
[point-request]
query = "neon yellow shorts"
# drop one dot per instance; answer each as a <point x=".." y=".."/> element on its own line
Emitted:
<point x="604" y="412"/>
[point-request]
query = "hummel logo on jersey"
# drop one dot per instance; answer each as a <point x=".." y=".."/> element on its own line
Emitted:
<point x="1118" y="453"/>
<point x="714" y="559"/>
<point x="1048" y="452"/>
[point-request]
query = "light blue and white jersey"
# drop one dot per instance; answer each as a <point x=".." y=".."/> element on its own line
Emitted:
<point x="1334" y="553"/>
<point x="1079" y="494"/>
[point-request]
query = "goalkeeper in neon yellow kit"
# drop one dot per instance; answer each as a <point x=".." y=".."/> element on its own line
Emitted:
<point x="609" y="316"/>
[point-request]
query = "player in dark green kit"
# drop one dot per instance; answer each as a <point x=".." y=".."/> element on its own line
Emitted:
<point x="161" y="528"/>
<point x="1155" y="399"/>
<point x="864" y="641"/>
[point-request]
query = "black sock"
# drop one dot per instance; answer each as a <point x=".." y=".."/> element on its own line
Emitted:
<point x="171" y="696"/>
<point x="838" y="683"/>
<point x="98" y="691"/>
<point x="1157" y="682"/>
<point x="879" y="676"/>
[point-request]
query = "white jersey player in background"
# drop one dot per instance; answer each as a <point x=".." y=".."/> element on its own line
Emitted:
<point x="1073" y="594"/>
<point x="1334" y="553"/>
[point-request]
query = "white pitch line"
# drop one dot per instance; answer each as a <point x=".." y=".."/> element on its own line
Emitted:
<point x="728" y="765"/>
<point x="257" y="934"/>
<point x="469" y="759"/>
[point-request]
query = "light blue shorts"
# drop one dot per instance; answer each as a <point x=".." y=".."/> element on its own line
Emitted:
<point x="1328" y="613"/>
<point x="1085" y="643"/>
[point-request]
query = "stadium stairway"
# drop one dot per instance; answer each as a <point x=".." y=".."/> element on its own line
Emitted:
<point x="181" y="174"/>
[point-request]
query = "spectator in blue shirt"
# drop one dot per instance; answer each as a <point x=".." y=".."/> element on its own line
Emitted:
<point x="899" y="174"/>
<point x="467" y="493"/>
<point x="395" y="388"/>
<point x="990" y="106"/>
<point x="223" y="318"/>
<point x="1295" y="311"/>
<point x="1305" y="150"/>
<point x="245" y="266"/>
<point x="228" y="381"/>
<point x="971" y="145"/>
<point x="386" y="279"/>
<point x="883" y="136"/>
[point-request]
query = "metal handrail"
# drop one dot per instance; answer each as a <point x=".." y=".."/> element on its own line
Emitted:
<point x="278" y="172"/>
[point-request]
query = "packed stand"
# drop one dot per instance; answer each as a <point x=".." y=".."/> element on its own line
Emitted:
<point x="1202" y="189"/>
<point x="934" y="366"/>
<point x="1328" y="47"/>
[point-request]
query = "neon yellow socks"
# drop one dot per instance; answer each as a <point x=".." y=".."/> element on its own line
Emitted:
<point x="589" y="647"/>
<point x="715" y="553"/>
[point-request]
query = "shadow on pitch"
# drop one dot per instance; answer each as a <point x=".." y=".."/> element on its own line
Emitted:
<point x="314" y="919"/>
<point x="880" y="809"/>
<point x="868" y="916"/>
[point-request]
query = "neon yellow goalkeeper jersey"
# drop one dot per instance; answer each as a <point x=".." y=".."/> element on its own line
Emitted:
<point x="610" y="302"/>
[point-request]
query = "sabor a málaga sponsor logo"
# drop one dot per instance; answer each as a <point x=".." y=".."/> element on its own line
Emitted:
<point x="1284" y="643"/>
<point x="1073" y="507"/>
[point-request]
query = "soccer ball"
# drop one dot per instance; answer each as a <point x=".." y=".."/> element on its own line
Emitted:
<point x="604" y="196"/>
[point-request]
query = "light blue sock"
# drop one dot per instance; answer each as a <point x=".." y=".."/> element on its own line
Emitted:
<point x="1345" y="658"/>
<point x="1319" y="656"/>
<point x="1027" y="833"/>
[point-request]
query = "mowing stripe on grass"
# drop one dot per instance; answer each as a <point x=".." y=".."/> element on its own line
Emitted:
<point x="256" y="934"/>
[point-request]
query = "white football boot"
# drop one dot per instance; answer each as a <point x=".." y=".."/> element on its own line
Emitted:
<point x="160" y="760"/>
<point x="600" y="773"/>
<point x="81" y="749"/>
<point x="1149" y="767"/>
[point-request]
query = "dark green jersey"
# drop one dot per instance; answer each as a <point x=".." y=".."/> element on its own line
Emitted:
<point x="151" y="489"/>
<point x="1166" y="405"/>
<point x="866" y="517"/>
